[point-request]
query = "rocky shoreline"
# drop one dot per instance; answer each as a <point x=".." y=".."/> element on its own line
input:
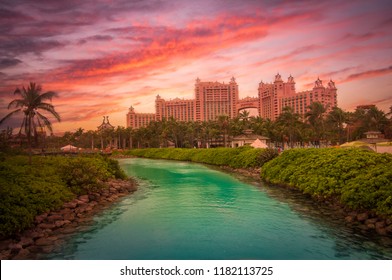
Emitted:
<point x="52" y="229"/>
<point x="364" y="221"/>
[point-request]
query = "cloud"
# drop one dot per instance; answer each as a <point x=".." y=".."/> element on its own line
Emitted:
<point x="368" y="74"/>
<point x="8" y="62"/>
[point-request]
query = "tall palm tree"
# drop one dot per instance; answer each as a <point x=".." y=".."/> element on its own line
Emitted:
<point x="315" y="117"/>
<point x="31" y="102"/>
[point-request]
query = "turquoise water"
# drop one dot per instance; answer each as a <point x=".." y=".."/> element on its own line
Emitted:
<point x="190" y="211"/>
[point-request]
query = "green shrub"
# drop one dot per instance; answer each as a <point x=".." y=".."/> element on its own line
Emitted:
<point x="29" y="190"/>
<point x="360" y="179"/>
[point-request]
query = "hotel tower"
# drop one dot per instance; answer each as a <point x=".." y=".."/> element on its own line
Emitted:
<point x="213" y="99"/>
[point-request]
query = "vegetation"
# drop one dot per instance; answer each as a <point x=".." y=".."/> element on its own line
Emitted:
<point x="31" y="102"/>
<point x="29" y="190"/>
<point x="360" y="179"/>
<point x="243" y="157"/>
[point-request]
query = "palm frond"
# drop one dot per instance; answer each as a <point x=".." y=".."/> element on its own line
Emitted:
<point x="46" y="121"/>
<point x="48" y="95"/>
<point x="17" y="103"/>
<point x="50" y="108"/>
<point x="9" y="115"/>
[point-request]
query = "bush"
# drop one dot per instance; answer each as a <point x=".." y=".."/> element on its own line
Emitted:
<point x="29" y="190"/>
<point x="360" y="179"/>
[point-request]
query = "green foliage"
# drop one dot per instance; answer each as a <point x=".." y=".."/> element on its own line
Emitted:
<point x="361" y="179"/>
<point x="243" y="157"/>
<point x="29" y="190"/>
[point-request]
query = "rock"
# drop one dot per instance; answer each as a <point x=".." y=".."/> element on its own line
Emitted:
<point x="380" y="224"/>
<point x="381" y="231"/>
<point x="26" y="241"/>
<point x="84" y="198"/>
<point x="4" y="244"/>
<point x="362" y="217"/>
<point x="349" y="219"/>
<point x="39" y="219"/>
<point x="53" y="218"/>
<point x="69" y="217"/>
<point x="47" y="249"/>
<point x="371" y="221"/>
<point x="71" y="205"/>
<point x="371" y="226"/>
<point x="15" y="247"/>
<point x="5" y="255"/>
<point x="45" y="241"/>
<point x="389" y="229"/>
<point x="46" y="226"/>
<point x="22" y="255"/>
<point x="388" y="222"/>
<point x="81" y="202"/>
<point x="59" y="223"/>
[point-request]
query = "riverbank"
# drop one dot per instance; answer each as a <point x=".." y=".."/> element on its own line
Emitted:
<point x="53" y="228"/>
<point x="355" y="182"/>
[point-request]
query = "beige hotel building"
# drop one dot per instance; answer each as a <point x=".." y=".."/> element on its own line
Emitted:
<point x="213" y="99"/>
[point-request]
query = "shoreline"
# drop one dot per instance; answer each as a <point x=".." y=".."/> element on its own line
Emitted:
<point x="365" y="221"/>
<point x="53" y="228"/>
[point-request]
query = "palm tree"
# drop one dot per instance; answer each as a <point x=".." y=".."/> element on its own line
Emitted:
<point x="336" y="119"/>
<point x="315" y="117"/>
<point x="30" y="103"/>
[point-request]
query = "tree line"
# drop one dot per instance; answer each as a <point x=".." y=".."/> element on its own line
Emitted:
<point x="316" y="127"/>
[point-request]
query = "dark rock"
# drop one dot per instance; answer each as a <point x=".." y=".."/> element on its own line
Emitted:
<point x="84" y="198"/>
<point x="380" y="224"/>
<point x="26" y="241"/>
<point x="371" y="221"/>
<point x="39" y="219"/>
<point x="4" y="244"/>
<point x="15" y="247"/>
<point x="349" y="219"/>
<point x="381" y="231"/>
<point x="22" y="255"/>
<point x="46" y="226"/>
<point x="71" y="205"/>
<point x="53" y="218"/>
<point x="371" y="226"/>
<point x="362" y="217"/>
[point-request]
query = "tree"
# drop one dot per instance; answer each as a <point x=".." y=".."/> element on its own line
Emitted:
<point x="315" y="117"/>
<point x="290" y="124"/>
<point x="31" y="103"/>
<point x="335" y="121"/>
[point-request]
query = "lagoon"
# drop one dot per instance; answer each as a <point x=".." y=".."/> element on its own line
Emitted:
<point x="187" y="210"/>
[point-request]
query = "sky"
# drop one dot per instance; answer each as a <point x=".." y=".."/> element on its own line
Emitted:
<point x="102" y="56"/>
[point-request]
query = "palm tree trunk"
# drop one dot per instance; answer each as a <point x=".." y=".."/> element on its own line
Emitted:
<point x="29" y="140"/>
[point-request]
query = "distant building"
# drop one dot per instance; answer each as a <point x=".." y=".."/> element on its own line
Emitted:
<point x="213" y="99"/>
<point x="248" y="138"/>
<point x="179" y="109"/>
<point x="277" y="95"/>
<point x="137" y="120"/>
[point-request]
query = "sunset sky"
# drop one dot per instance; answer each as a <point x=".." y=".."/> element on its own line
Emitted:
<point x="104" y="56"/>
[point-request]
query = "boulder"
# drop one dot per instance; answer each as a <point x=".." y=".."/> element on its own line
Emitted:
<point x="70" y="205"/>
<point x="362" y="217"/>
<point x="371" y="221"/>
<point x="53" y="218"/>
<point x="22" y="255"/>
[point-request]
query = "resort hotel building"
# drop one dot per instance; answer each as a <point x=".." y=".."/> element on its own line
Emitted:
<point x="213" y="99"/>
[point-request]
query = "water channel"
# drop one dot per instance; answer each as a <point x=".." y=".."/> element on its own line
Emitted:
<point x="190" y="211"/>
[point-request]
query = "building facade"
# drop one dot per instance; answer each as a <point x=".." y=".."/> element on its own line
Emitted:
<point x="137" y="120"/>
<point x="273" y="97"/>
<point x="179" y="109"/>
<point x="213" y="99"/>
